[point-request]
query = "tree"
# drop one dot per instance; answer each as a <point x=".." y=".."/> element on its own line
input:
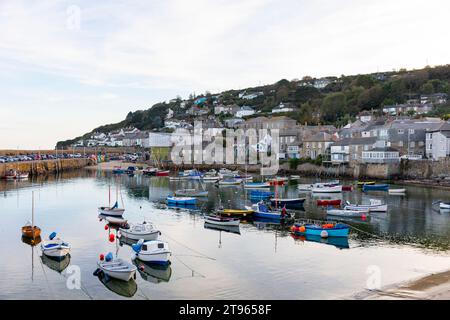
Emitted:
<point x="333" y="107"/>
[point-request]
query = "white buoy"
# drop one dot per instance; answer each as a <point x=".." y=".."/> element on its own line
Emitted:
<point x="324" y="234"/>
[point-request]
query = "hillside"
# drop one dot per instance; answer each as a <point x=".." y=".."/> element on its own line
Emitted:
<point x="329" y="100"/>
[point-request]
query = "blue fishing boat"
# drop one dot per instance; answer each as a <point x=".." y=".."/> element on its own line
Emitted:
<point x="260" y="210"/>
<point x="257" y="195"/>
<point x="325" y="230"/>
<point x="181" y="200"/>
<point x="375" y="187"/>
<point x="131" y="170"/>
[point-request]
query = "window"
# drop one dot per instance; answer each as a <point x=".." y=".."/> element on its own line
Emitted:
<point x="412" y="144"/>
<point x="411" y="131"/>
<point x="400" y="131"/>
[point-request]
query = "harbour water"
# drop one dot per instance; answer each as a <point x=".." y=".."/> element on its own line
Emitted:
<point x="260" y="261"/>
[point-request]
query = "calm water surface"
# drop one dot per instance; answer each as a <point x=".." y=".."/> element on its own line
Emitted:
<point x="262" y="261"/>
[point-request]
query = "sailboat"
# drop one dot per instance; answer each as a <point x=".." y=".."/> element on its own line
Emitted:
<point x="114" y="211"/>
<point x="29" y="230"/>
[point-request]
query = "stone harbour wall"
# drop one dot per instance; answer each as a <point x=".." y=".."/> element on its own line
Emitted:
<point x="44" y="166"/>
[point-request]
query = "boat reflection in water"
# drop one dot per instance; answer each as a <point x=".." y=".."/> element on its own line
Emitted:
<point x="338" y="242"/>
<point x="153" y="272"/>
<point x="230" y="229"/>
<point x="32" y="241"/>
<point x="122" y="288"/>
<point x="58" y="265"/>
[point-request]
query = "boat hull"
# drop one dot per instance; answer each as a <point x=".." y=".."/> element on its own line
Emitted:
<point x="371" y="208"/>
<point x="347" y="213"/>
<point x="179" y="201"/>
<point x="376" y="187"/>
<point x="333" y="202"/>
<point x="317" y="231"/>
<point x="160" y="258"/>
<point x="223" y="222"/>
<point x="147" y="236"/>
<point x="335" y="189"/>
<point x="287" y="202"/>
<point x="111" y="212"/>
<point x="30" y="232"/>
<point x="235" y="212"/>
<point x="124" y="275"/>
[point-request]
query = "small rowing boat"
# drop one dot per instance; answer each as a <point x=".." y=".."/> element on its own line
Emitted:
<point x="181" y="200"/>
<point x="329" y="202"/>
<point x="397" y="191"/>
<point x="29" y="230"/>
<point x="444" y="205"/>
<point x="117" y="268"/>
<point x="230" y="182"/>
<point x="327" y="189"/>
<point x="375" y="187"/>
<point x="373" y="207"/>
<point x="362" y="183"/>
<point x="256" y="185"/>
<point x="347" y="213"/>
<point x="222" y="221"/>
<point x="162" y="173"/>
<point x="191" y="193"/>
<point x="55" y="248"/>
<point x="287" y="202"/>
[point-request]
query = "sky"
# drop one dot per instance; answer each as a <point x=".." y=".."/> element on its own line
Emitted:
<point x="67" y="67"/>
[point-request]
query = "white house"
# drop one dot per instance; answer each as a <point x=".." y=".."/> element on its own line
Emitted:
<point x="438" y="142"/>
<point x="281" y="108"/>
<point x="245" y="111"/>
<point x="381" y="155"/>
<point x="157" y="139"/>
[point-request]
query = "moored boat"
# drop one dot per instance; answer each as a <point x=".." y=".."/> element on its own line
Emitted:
<point x="327" y="189"/>
<point x="260" y="210"/>
<point x="230" y="182"/>
<point x="30" y="230"/>
<point x="117" y="268"/>
<point x="256" y="185"/>
<point x="329" y="202"/>
<point x="222" y="221"/>
<point x="347" y="213"/>
<point x="375" y="187"/>
<point x="323" y="230"/>
<point x="347" y="188"/>
<point x="208" y="178"/>
<point x="155" y="251"/>
<point x="118" y="170"/>
<point x="139" y="231"/>
<point x="287" y="202"/>
<point x="305" y="187"/>
<point x="55" y="247"/>
<point x="362" y="183"/>
<point x="397" y="191"/>
<point x="444" y="205"/>
<point x="235" y="212"/>
<point x="149" y="171"/>
<point x="373" y="207"/>
<point x="162" y="173"/>
<point x="181" y="200"/>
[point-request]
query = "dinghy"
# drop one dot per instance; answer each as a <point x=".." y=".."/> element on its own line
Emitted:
<point x="347" y="213"/>
<point x="324" y="230"/>
<point x="118" y="269"/>
<point x="373" y="207"/>
<point x="222" y="221"/>
<point x="327" y="189"/>
<point x="304" y="187"/>
<point x="155" y="251"/>
<point x="191" y="193"/>
<point x="162" y="173"/>
<point x="118" y="170"/>
<point x="149" y="171"/>
<point x="181" y="200"/>
<point x="207" y="178"/>
<point x="375" y="187"/>
<point x="230" y="182"/>
<point x="256" y="185"/>
<point x="397" y="191"/>
<point x="363" y="183"/>
<point x="329" y="202"/>
<point x="55" y="247"/>
<point x="139" y="231"/>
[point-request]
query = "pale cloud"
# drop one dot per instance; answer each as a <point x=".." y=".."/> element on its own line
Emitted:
<point x="130" y="54"/>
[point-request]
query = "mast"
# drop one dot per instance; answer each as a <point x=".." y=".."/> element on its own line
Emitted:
<point x="109" y="195"/>
<point x="32" y="212"/>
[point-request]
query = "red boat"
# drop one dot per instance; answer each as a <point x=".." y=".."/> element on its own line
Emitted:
<point x="329" y="202"/>
<point x="276" y="182"/>
<point x="162" y="173"/>
<point x="347" y="188"/>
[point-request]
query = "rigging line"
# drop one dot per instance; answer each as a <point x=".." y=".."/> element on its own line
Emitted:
<point x="193" y="271"/>
<point x="46" y="279"/>
<point x="185" y="246"/>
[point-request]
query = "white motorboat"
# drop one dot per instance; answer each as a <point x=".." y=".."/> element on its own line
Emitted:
<point x="373" y="207"/>
<point x="444" y="205"/>
<point x="222" y="221"/>
<point x="139" y="231"/>
<point x="347" y="213"/>
<point x="118" y="269"/>
<point x="155" y="251"/>
<point x="326" y="189"/>
<point x="397" y="191"/>
<point x="55" y="248"/>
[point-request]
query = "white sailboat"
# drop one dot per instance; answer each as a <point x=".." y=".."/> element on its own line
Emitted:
<point x="114" y="211"/>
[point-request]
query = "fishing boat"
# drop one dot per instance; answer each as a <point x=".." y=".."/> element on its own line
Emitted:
<point x="362" y="183"/>
<point x="235" y="212"/>
<point x="347" y="213"/>
<point x="397" y="191"/>
<point x="118" y="170"/>
<point x="256" y="185"/>
<point x="222" y="221"/>
<point x="162" y="173"/>
<point x="375" y="187"/>
<point x="191" y="193"/>
<point x="29" y="230"/>
<point x="16" y="175"/>
<point x="260" y="210"/>
<point x="181" y="200"/>
<point x="149" y="171"/>
<point x="287" y="202"/>
<point x="327" y="189"/>
<point x="230" y="182"/>
<point x="374" y="206"/>
<point x="261" y="195"/>
<point x="155" y="251"/>
<point x="329" y="202"/>
<point x="118" y="269"/>
<point x="323" y="230"/>
<point x="139" y="231"/>
<point x="55" y="247"/>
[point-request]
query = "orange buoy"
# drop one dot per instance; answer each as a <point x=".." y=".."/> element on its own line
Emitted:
<point x="302" y="229"/>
